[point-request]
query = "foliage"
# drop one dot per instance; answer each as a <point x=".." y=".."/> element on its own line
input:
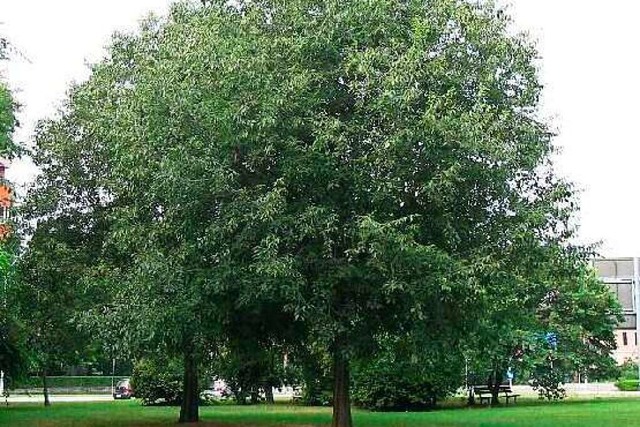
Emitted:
<point x="8" y="107"/>
<point x="251" y="371"/>
<point x="313" y="367"/>
<point x="8" y="148"/>
<point x="158" y="381"/>
<point x="12" y="358"/>
<point x="13" y="361"/>
<point x="582" y="312"/>
<point x="564" y="324"/>
<point x="49" y="294"/>
<point x="628" y="370"/>
<point x="397" y="377"/>
<point x="357" y="168"/>
<point x="628" y="385"/>
<point x="12" y="352"/>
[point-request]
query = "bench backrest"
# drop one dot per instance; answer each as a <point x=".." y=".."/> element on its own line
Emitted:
<point x="485" y="389"/>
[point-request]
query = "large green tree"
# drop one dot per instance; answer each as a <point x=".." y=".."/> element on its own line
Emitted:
<point x="369" y="168"/>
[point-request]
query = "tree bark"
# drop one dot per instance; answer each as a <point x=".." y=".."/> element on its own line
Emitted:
<point x="341" y="398"/>
<point x="495" y="387"/>
<point x="189" y="409"/>
<point x="268" y="394"/>
<point x="45" y="388"/>
<point x="254" y="395"/>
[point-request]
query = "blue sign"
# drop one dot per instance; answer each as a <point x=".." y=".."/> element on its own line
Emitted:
<point x="552" y="339"/>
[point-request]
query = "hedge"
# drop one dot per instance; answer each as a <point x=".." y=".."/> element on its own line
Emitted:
<point x="627" y="385"/>
<point x="67" y="382"/>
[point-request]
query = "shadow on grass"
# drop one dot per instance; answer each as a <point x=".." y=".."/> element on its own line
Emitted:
<point x="461" y="403"/>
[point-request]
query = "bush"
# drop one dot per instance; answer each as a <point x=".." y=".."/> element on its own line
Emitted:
<point x="157" y="381"/>
<point x="627" y="385"/>
<point x="398" y="379"/>
<point x="628" y="370"/>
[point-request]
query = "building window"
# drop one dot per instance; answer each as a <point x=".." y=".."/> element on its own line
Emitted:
<point x="624" y="338"/>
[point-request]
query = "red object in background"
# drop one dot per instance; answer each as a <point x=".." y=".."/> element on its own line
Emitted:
<point x="5" y="196"/>
<point x="5" y="230"/>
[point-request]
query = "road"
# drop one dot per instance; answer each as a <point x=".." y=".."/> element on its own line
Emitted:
<point x="37" y="398"/>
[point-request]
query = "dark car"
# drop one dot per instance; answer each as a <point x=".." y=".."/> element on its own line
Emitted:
<point x="123" y="390"/>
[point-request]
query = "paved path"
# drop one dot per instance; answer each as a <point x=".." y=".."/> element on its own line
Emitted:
<point x="590" y="390"/>
<point x="581" y="390"/>
<point x="37" y="398"/>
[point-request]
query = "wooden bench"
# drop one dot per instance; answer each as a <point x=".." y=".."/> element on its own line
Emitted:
<point x="483" y="393"/>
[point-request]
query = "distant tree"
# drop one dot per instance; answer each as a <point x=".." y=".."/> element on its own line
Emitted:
<point x="50" y="294"/>
<point x="579" y="316"/>
<point x="544" y="314"/>
<point x="7" y="122"/>
<point x="12" y="359"/>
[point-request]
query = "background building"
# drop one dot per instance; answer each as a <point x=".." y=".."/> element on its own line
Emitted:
<point x="620" y="275"/>
<point x="6" y="200"/>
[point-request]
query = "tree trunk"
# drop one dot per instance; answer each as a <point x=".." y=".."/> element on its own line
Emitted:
<point x="495" y="387"/>
<point x="45" y="388"/>
<point x="189" y="411"/>
<point x="495" y="401"/>
<point x="268" y="394"/>
<point x="341" y="400"/>
<point x="254" y="395"/>
<point x="471" y="399"/>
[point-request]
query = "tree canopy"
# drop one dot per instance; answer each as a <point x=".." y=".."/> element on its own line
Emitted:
<point x="352" y="169"/>
<point x="11" y="354"/>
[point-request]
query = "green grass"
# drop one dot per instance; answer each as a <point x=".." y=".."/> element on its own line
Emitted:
<point x="622" y="412"/>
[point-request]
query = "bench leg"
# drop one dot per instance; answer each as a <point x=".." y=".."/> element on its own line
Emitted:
<point x="511" y="397"/>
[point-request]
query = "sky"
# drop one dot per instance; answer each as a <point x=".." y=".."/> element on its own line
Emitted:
<point x="588" y="65"/>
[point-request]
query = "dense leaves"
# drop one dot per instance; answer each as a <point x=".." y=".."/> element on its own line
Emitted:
<point x="339" y="170"/>
<point x="12" y="357"/>
<point x="158" y="381"/>
<point x="400" y="377"/>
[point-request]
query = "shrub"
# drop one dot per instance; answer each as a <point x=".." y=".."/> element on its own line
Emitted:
<point x="398" y="379"/>
<point x="627" y="385"/>
<point x="628" y="370"/>
<point x="157" y="381"/>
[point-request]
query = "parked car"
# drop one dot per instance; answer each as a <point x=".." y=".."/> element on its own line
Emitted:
<point x="218" y="390"/>
<point x="123" y="389"/>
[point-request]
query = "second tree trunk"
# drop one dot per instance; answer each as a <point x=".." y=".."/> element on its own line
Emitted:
<point x="341" y="399"/>
<point x="189" y="409"/>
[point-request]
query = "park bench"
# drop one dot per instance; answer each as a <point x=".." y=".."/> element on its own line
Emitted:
<point x="483" y="393"/>
<point x="297" y="395"/>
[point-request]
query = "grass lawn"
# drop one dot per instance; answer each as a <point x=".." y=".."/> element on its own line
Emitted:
<point x="621" y="412"/>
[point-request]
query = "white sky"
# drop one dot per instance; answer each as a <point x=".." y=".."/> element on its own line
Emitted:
<point x="589" y="67"/>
